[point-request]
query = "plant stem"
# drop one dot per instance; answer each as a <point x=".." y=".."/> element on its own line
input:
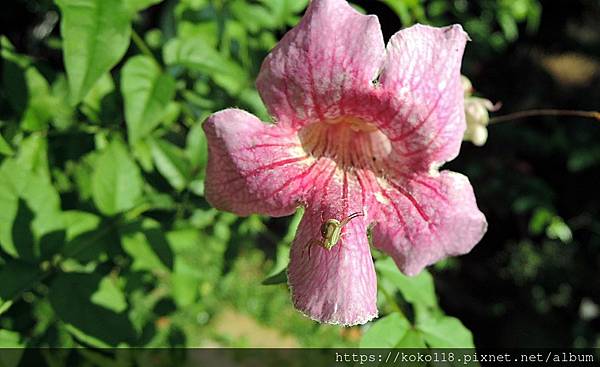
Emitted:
<point x="545" y="112"/>
<point x="141" y="45"/>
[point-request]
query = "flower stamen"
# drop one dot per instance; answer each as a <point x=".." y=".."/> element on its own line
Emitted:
<point x="349" y="141"/>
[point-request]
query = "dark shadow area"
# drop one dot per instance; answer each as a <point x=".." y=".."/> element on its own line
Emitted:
<point x="71" y="296"/>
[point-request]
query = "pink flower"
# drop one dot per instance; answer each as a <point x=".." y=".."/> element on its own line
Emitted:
<point x="359" y="128"/>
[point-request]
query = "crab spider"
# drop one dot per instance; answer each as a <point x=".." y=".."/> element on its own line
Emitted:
<point x="331" y="232"/>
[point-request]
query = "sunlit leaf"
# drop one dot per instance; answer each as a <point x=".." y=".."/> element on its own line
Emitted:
<point x="147" y="91"/>
<point x="41" y="103"/>
<point x="412" y="339"/>
<point x="196" y="54"/>
<point x="172" y="163"/>
<point x="418" y="289"/>
<point x="30" y="208"/>
<point x="10" y="339"/>
<point x="137" y="5"/>
<point x="445" y="332"/>
<point x="277" y="278"/>
<point x="5" y="147"/>
<point x="196" y="148"/>
<point x="193" y="269"/>
<point x="147" y="245"/>
<point x="116" y="182"/>
<point x="96" y="95"/>
<point x="33" y="155"/>
<point x="109" y="295"/>
<point x="87" y="236"/>
<point x="558" y="229"/>
<point x="386" y="332"/>
<point x="95" y="37"/>
<point x="11" y="357"/>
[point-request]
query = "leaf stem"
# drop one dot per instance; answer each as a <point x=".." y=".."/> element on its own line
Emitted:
<point x="545" y="112"/>
<point x="141" y="45"/>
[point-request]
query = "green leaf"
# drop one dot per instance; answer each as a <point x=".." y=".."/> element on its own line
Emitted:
<point x="277" y="278"/>
<point x="147" y="245"/>
<point x="109" y="295"/>
<point x="172" y="163"/>
<point x="116" y="181"/>
<point x="95" y="37"/>
<point x="93" y="99"/>
<point x="401" y="9"/>
<point x="418" y="289"/>
<point x="14" y="83"/>
<point x="33" y="155"/>
<point x="30" y="209"/>
<point x="285" y="11"/>
<point x="8" y="52"/>
<point x="196" y="54"/>
<point x="278" y="273"/>
<point x="445" y="332"/>
<point x="26" y="90"/>
<point x="412" y="339"/>
<point x="254" y="17"/>
<point x="17" y="277"/>
<point x="40" y="104"/>
<point x="79" y="300"/>
<point x="88" y="237"/>
<point x="142" y="151"/>
<point x="508" y="25"/>
<point x="137" y="5"/>
<point x="194" y="270"/>
<point x="79" y="222"/>
<point x="9" y="339"/>
<point x="63" y="112"/>
<point x="558" y="229"/>
<point x="83" y="172"/>
<point x="386" y="332"/>
<point x="10" y="357"/>
<point x="540" y="220"/>
<point x="5" y="148"/>
<point x="196" y="147"/>
<point x="147" y="91"/>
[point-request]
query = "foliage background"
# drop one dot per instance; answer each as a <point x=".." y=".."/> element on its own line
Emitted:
<point x="106" y="240"/>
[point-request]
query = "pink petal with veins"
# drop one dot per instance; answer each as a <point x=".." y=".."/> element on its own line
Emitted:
<point x="422" y="219"/>
<point x="422" y="75"/>
<point x="254" y="167"/>
<point x="336" y="286"/>
<point x="332" y="53"/>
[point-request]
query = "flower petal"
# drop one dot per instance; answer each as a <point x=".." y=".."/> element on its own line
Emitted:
<point x="333" y="52"/>
<point x="421" y="80"/>
<point x="337" y="286"/>
<point x="255" y="167"/>
<point x="424" y="219"/>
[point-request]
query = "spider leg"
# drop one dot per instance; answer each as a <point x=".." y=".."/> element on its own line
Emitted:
<point x="350" y="217"/>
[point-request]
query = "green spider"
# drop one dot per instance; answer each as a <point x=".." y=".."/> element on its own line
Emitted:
<point x="331" y="232"/>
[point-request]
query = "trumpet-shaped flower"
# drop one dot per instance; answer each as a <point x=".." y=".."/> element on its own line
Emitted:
<point x="358" y="128"/>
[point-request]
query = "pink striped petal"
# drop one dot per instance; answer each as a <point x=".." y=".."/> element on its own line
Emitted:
<point x="255" y="167"/>
<point x="337" y="286"/>
<point x="422" y="219"/>
<point x="333" y="53"/>
<point x="422" y="88"/>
